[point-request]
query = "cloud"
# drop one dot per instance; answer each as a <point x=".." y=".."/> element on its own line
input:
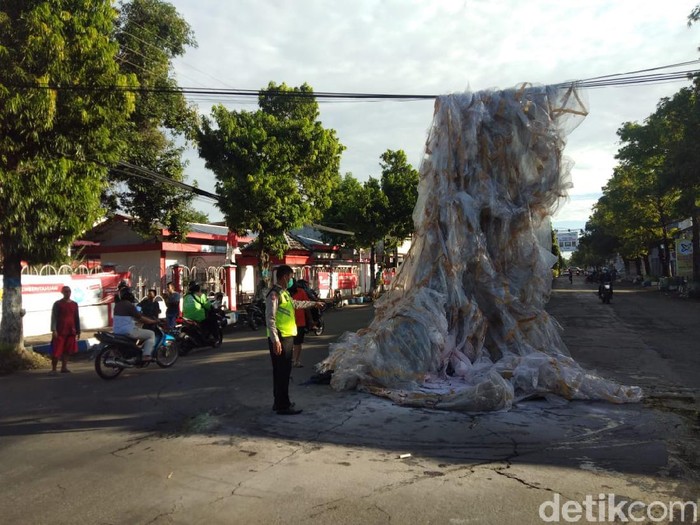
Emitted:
<point x="437" y="47"/>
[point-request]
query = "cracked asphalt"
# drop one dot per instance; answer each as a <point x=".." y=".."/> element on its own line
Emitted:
<point x="198" y="443"/>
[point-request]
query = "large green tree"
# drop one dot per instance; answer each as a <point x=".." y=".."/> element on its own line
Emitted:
<point x="276" y="168"/>
<point x="151" y="34"/>
<point x="400" y="185"/>
<point x="378" y="210"/>
<point x="61" y="122"/>
<point x="682" y="115"/>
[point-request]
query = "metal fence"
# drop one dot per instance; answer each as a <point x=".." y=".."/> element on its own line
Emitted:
<point x="143" y="278"/>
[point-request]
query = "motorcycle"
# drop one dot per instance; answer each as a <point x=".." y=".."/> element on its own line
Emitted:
<point x="319" y="323"/>
<point x="606" y="293"/>
<point x="256" y="314"/>
<point x="115" y="353"/>
<point x="193" y="335"/>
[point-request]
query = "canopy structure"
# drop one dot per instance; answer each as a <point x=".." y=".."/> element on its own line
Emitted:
<point x="464" y="325"/>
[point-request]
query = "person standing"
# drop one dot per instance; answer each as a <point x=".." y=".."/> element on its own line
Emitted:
<point x="65" y="330"/>
<point x="281" y="329"/>
<point x="172" y="306"/>
<point x="301" y="317"/>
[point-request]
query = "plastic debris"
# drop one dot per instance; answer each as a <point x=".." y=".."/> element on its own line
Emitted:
<point x="463" y="325"/>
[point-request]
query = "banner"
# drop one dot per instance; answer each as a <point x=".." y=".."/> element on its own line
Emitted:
<point x="684" y="257"/>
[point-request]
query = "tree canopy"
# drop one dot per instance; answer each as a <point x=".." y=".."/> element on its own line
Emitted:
<point x="378" y="210"/>
<point x="276" y="168"/>
<point x="151" y="34"/>
<point x="55" y="142"/>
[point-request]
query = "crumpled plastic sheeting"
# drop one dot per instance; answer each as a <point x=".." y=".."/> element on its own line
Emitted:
<point x="463" y="326"/>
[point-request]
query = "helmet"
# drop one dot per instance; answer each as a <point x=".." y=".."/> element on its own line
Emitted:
<point x="125" y="294"/>
<point x="194" y="287"/>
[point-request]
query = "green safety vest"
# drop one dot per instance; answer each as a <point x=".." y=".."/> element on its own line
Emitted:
<point x="285" y="319"/>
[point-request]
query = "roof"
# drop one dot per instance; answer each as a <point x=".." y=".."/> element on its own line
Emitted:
<point x="212" y="229"/>
<point x="307" y="242"/>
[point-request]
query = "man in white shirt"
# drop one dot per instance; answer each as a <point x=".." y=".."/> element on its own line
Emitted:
<point x="125" y="317"/>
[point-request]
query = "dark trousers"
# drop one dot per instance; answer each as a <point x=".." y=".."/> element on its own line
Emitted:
<point x="281" y="371"/>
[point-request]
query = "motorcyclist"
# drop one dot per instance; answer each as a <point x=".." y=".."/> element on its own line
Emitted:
<point x="605" y="277"/>
<point x="196" y="307"/>
<point x="125" y="317"/>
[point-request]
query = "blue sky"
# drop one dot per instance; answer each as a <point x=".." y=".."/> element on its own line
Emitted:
<point x="438" y="47"/>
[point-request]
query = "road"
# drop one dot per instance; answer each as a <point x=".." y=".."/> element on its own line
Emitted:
<point x="198" y="443"/>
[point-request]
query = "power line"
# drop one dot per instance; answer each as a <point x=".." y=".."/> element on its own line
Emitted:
<point x="322" y="96"/>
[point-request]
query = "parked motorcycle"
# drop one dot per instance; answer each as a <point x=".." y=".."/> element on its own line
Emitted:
<point x="115" y="353"/>
<point x="606" y="293"/>
<point x="256" y="314"/>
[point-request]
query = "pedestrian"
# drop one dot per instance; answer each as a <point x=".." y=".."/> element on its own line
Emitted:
<point x="172" y="306"/>
<point x="150" y="307"/>
<point x="281" y="329"/>
<point x="302" y="317"/>
<point x="65" y="330"/>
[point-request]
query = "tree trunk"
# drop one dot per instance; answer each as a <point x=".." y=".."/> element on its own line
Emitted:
<point x="666" y="259"/>
<point x="11" y="329"/>
<point x="647" y="265"/>
<point x="264" y="277"/>
<point x="638" y="265"/>
<point x="696" y="244"/>
<point x="373" y="268"/>
<point x="627" y="265"/>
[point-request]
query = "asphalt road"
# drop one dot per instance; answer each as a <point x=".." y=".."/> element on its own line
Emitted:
<point x="198" y="443"/>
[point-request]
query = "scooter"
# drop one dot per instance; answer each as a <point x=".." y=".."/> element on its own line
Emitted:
<point x="606" y="293"/>
<point x="192" y="335"/>
<point x="256" y="314"/>
<point x="320" y="324"/>
<point x="115" y="353"/>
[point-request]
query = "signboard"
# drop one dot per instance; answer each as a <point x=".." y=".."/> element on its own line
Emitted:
<point x="568" y="240"/>
<point x="347" y="281"/>
<point x="324" y="281"/>
<point x="684" y="257"/>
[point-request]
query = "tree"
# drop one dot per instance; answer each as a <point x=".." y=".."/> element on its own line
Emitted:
<point x="682" y="114"/>
<point x="378" y="210"/>
<point x="559" y="265"/>
<point x="400" y="185"/>
<point x="60" y="124"/>
<point x="151" y="34"/>
<point x="276" y="168"/>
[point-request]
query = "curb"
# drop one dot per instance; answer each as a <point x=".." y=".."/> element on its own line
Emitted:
<point x="84" y="346"/>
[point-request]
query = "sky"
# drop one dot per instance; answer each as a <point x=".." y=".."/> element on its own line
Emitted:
<point x="438" y="47"/>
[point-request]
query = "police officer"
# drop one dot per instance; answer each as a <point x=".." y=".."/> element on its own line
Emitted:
<point x="281" y="329"/>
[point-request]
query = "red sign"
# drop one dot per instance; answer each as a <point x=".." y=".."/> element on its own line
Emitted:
<point x="324" y="281"/>
<point x="347" y="281"/>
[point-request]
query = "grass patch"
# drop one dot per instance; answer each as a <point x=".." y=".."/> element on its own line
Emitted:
<point x="14" y="360"/>
<point x="201" y="424"/>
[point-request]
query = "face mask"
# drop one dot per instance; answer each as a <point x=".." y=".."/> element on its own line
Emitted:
<point x="290" y="282"/>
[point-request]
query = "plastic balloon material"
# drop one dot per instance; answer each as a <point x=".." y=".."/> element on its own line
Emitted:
<point x="463" y="325"/>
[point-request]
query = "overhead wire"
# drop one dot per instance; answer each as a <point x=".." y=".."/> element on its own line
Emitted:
<point x="643" y="76"/>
